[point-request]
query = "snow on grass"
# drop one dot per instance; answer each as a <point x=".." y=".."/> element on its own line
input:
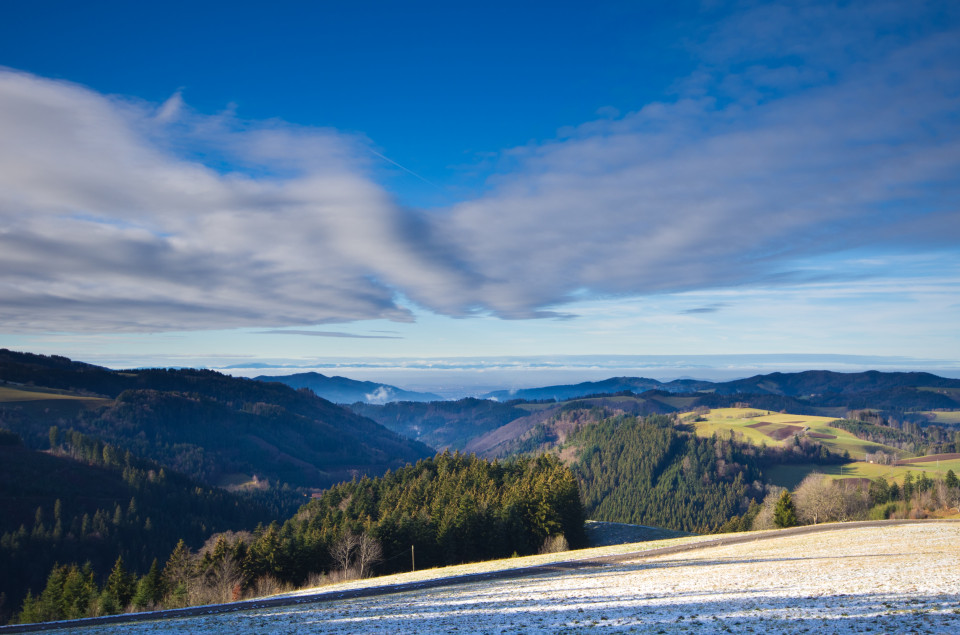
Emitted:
<point x="882" y="580"/>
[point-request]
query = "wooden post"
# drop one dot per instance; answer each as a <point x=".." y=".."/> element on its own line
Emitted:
<point x="413" y="562"/>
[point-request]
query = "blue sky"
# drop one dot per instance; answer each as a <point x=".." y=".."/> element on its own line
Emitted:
<point x="202" y="183"/>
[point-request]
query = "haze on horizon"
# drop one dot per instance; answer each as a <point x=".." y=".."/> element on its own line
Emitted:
<point x="221" y="184"/>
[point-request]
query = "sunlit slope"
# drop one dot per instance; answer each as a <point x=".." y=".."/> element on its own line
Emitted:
<point x="774" y="428"/>
<point x="9" y="394"/>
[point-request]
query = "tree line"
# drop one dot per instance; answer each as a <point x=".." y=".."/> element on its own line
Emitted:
<point x="446" y="510"/>
<point x="819" y="499"/>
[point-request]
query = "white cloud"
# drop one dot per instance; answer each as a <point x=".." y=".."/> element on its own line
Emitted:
<point x="107" y="227"/>
<point x="803" y="133"/>
<point x="704" y="192"/>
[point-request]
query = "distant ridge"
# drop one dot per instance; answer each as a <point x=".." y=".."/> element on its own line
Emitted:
<point x="347" y="391"/>
<point x="802" y="384"/>
<point x="605" y="387"/>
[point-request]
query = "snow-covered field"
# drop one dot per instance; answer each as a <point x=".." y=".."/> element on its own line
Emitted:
<point x="900" y="579"/>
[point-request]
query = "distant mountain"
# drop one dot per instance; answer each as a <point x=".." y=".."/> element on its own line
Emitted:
<point x="210" y="426"/>
<point x="606" y="387"/>
<point x="814" y="383"/>
<point x="347" y="391"/>
<point x="818" y="387"/>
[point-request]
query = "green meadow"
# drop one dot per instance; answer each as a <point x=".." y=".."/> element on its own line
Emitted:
<point x="8" y="394"/>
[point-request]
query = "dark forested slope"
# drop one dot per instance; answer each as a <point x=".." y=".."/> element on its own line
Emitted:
<point x="207" y="425"/>
<point x="87" y="501"/>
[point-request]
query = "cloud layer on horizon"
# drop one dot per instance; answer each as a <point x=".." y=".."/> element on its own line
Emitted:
<point x="808" y="130"/>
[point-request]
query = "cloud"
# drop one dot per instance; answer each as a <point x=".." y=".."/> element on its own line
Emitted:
<point x="713" y="308"/>
<point x="379" y="396"/>
<point x="331" y="334"/>
<point x="807" y="130"/>
<point x="110" y="221"/>
<point x="737" y="184"/>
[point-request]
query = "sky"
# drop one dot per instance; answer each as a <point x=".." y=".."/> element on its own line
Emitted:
<point x="382" y="186"/>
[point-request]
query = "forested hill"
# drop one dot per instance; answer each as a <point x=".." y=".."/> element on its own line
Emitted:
<point x="346" y="391"/>
<point x="207" y="425"/>
<point x="823" y="382"/>
<point x="635" y="385"/>
<point x="85" y="501"/>
<point x="808" y="389"/>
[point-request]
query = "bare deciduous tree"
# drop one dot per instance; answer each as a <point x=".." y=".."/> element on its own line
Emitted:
<point x="818" y="500"/>
<point x="369" y="552"/>
<point x="343" y="549"/>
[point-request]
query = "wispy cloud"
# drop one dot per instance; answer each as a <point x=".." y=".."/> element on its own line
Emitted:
<point x="808" y="129"/>
<point x="744" y="175"/>
<point x="111" y="222"/>
<point x="713" y="308"/>
<point x="329" y="334"/>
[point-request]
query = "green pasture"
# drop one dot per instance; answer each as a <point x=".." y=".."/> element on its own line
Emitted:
<point x="953" y="393"/>
<point x="675" y="401"/>
<point x="789" y="476"/>
<point x="8" y="394"/>
<point x="896" y="473"/>
<point x="948" y="416"/>
<point x="535" y="407"/>
<point x="739" y="420"/>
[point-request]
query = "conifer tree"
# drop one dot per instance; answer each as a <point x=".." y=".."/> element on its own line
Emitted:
<point x="119" y="587"/>
<point x="149" y="588"/>
<point x="784" y="513"/>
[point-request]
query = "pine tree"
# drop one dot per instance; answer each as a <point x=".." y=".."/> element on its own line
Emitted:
<point x="784" y="513"/>
<point x="149" y="588"/>
<point x="177" y="574"/>
<point x="118" y="589"/>
<point x="951" y="479"/>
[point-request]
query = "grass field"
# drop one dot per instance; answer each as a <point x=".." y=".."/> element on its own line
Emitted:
<point x="949" y="416"/>
<point x="676" y="401"/>
<point x="8" y="394"/>
<point x="774" y="428"/>
<point x="789" y="476"/>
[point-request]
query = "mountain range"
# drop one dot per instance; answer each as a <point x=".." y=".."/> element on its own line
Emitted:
<point x="810" y="383"/>
<point x="347" y="391"/>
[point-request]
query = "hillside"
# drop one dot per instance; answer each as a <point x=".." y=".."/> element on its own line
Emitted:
<point x="442" y="424"/>
<point x="347" y="391"/>
<point x="796" y="392"/>
<point x="216" y="428"/>
<point x="894" y="578"/>
<point x="607" y="386"/>
<point x="87" y="502"/>
<point x="548" y="425"/>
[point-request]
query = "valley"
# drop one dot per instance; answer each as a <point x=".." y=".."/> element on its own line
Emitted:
<point x="276" y="477"/>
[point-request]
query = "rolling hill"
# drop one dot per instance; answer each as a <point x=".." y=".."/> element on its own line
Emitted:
<point x="213" y="427"/>
<point x="347" y="391"/>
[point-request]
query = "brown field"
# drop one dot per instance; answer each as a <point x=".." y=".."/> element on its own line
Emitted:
<point x="776" y="431"/>
<point x="929" y="458"/>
